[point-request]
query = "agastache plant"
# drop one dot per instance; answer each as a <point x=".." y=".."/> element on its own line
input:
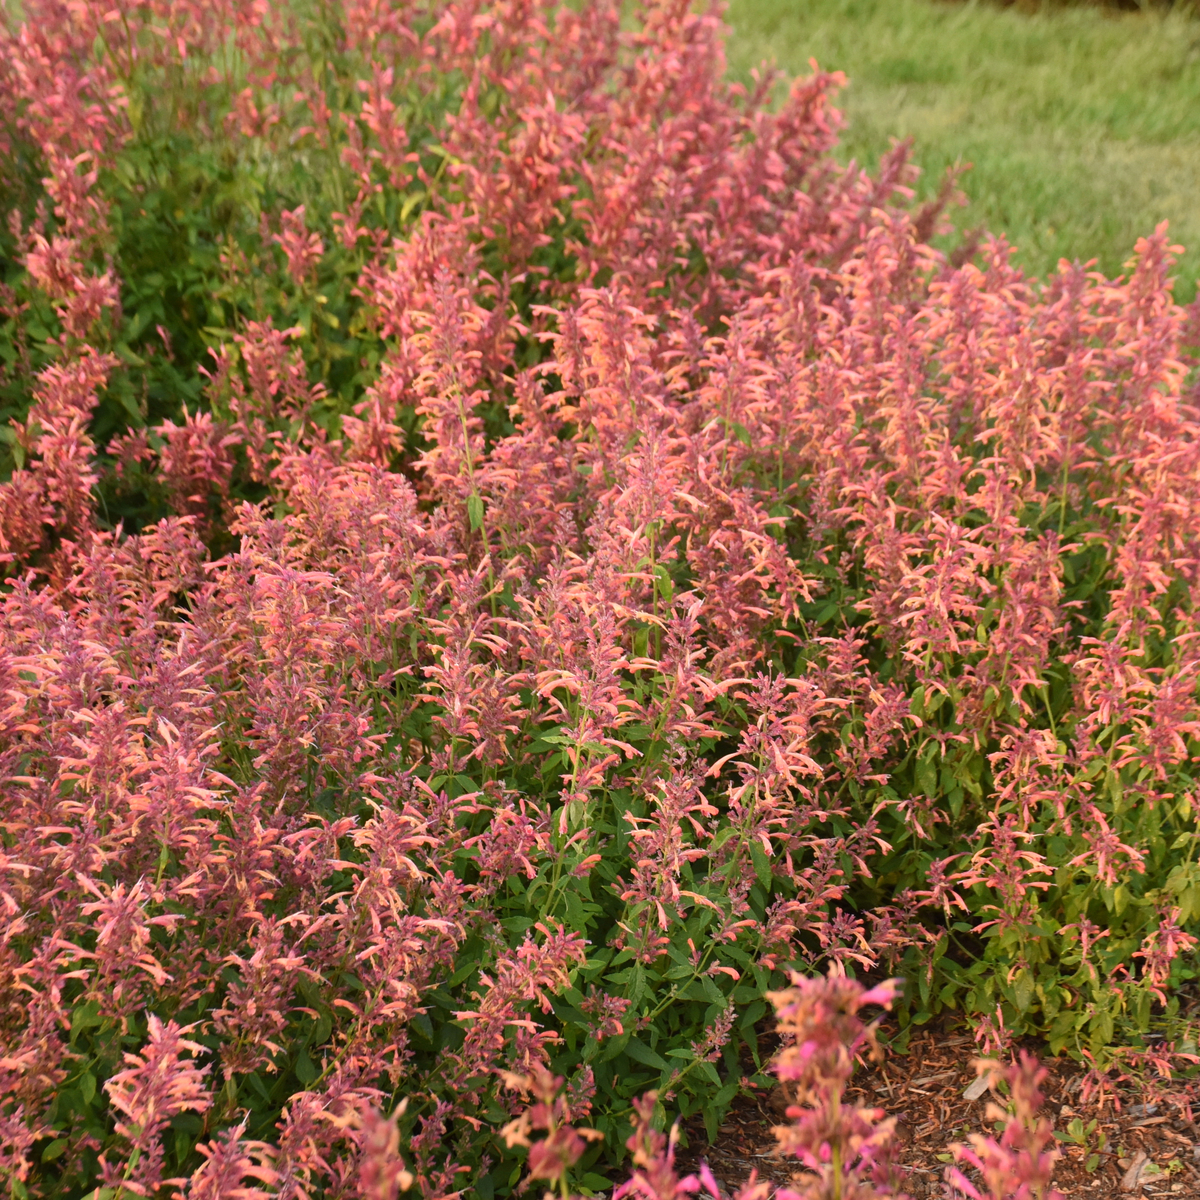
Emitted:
<point x="849" y="1151"/>
<point x="551" y="1114"/>
<point x="653" y="1174"/>
<point x="1018" y="1164"/>
<point x="508" y="549"/>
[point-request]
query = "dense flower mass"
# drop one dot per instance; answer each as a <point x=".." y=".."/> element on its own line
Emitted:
<point x="509" y="548"/>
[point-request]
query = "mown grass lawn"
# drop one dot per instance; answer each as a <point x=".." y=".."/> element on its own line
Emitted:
<point x="1082" y="125"/>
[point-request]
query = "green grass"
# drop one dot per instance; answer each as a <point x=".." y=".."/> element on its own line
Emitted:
<point x="1083" y="126"/>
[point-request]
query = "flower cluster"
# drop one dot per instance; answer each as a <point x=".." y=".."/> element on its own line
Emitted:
<point x="1020" y="1163"/>
<point x="849" y="1150"/>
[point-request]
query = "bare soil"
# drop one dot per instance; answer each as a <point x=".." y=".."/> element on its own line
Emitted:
<point x="923" y="1089"/>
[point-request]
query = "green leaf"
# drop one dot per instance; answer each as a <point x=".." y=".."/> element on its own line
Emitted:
<point x="1023" y="989"/>
<point x="762" y="867"/>
<point x="475" y="510"/>
<point x="1102" y="1031"/>
<point x="85" y="1017"/>
<point x="643" y="1054"/>
<point x="410" y="202"/>
<point x="615" y="1046"/>
<point x="723" y="836"/>
<point x="53" y="1150"/>
<point x="306" y="1070"/>
<point x="753" y="1014"/>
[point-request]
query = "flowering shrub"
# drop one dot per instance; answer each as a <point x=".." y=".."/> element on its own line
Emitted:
<point x="1019" y="1165"/>
<point x="606" y="557"/>
<point x="849" y="1151"/>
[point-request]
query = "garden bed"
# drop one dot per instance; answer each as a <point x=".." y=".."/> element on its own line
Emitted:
<point x="923" y="1089"/>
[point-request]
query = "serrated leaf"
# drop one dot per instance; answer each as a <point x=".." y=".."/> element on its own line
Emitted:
<point x="762" y="867"/>
<point x="642" y="1053"/>
<point x="475" y="510"/>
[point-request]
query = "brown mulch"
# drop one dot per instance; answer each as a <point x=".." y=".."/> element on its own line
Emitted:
<point x="923" y="1089"/>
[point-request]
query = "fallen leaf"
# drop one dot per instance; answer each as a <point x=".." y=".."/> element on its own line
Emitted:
<point x="1132" y="1178"/>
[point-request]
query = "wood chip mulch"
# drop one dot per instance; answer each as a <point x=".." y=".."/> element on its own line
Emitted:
<point x="1149" y="1151"/>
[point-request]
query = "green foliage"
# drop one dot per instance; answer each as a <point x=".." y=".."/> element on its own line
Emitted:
<point x="1088" y="1137"/>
